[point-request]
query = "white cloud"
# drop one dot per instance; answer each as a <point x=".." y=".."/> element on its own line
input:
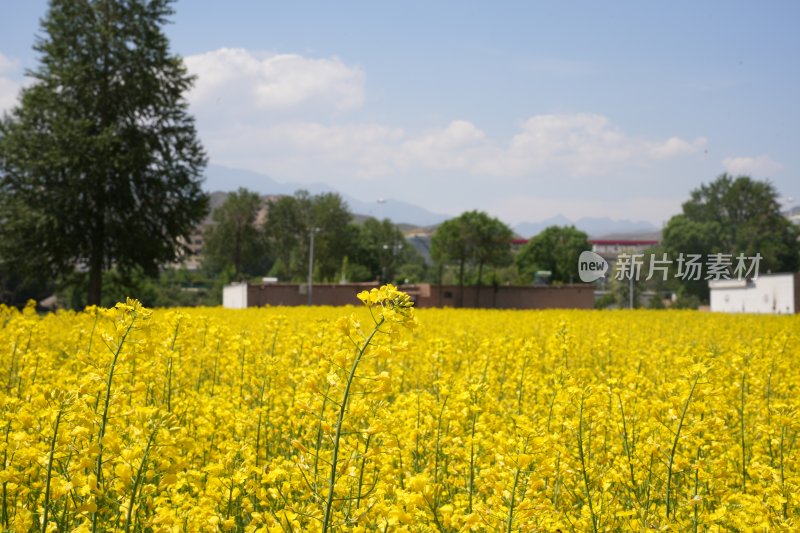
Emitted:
<point x="300" y="119"/>
<point x="308" y="151"/>
<point x="522" y="207"/>
<point x="7" y="64"/>
<point x="569" y="145"/>
<point x="761" y="166"/>
<point x="272" y="113"/>
<point x="676" y="147"/>
<point x="458" y="146"/>
<point x="273" y="82"/>
<point x="9" y="89"/>
<point x="579" y="144"/>
<point x="587" y="144"/>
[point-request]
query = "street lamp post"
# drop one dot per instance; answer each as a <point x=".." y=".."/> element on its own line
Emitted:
<point x="311" y="265"/>
<point x="395" y="248"/>
<point x="630" y="291"/>
<point x="385" y="266"/>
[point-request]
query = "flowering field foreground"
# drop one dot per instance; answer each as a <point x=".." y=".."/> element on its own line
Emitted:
<point x="221" y="420"/>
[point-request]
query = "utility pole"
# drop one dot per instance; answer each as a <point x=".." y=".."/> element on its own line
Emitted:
<point x="395" y="248"/>
<point x="311" y="266"/>
<point x="630" y="291"/>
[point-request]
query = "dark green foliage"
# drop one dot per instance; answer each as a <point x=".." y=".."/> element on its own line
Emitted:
<point x="335" y="234"/>
<point x="382" y="250"/>
<point x="172" y="288"/>
<point x="291" y="219"/>
<point x="687" y="301"/>
<point x="556" y="249"/>
<point x="732" y="216"/>
<point x="100" y="165"/>
<point x="235" y="239"/>
<point x="472" y="239"/>
<point x="17" y="287"/>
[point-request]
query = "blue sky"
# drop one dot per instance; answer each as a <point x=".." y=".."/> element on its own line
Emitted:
<point x="526" y="110"/>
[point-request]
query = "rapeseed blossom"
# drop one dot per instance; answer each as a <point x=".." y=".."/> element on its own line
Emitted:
<point x="477" y="420"/>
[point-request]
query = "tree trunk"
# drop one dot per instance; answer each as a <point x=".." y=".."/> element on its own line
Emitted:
<point x="95" y="275"/>
<point x="237" y="255"/>
<point x="100" y="178"/>
<point x="495" y="287"/>
<point x="95" y="291"/>
<point x="478" y="288"/>
<point x="461" y="283"/>
<point x="441" y="268"/>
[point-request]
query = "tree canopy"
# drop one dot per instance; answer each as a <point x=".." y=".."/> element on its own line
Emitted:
<point x="733" y="216"/>
<point x="472" y="239"/>
<point x="555" y="249"/>
<point x="291" y="219"/>
<point x="382" y="250"/>
<point x="100" y="165"/>
<point x="235" y="238"/>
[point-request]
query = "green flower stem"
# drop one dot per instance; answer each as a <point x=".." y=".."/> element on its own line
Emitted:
<point x="104" y="420"/>
<point x="50" y="469"/>
<point x="342" y="408"/>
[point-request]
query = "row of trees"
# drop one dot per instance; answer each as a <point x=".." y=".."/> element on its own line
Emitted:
<point x="730" y="215"/>
<point x="250" y="236"/>
<point x="475" y="241"/>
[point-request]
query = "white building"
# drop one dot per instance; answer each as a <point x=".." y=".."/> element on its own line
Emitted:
<point x="768" y="293"/>
<point x="234" y="296"/>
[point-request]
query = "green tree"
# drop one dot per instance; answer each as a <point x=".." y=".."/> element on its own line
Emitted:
<point x="649" y="286"/>
<point x="682" y="235"/>
<point x="287" y="229"/>
<point x="382" y="249"/>
<point x="493" y="243"/>
<point x="235" y="239"/>
<point x="291" y="219"/>
<point x="472" y="239"/>
<point x="335" y="234"/>
<point x="100" y="164"/>
<point x="733" y="216"/>
<point x="17" y="287"/>
<point x="556" y="249"/>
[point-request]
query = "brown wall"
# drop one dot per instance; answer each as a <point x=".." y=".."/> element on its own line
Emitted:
<point x="502" y="297"/>
<point x="294" y="294"/>
<point x="510" y="297"/>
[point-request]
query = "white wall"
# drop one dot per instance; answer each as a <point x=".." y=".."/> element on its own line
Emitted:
<point x="234" y="296"/>
<point x="769" y="293"/>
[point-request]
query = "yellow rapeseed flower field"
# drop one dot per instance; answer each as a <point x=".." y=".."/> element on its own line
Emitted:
<point x="378" y="417"/>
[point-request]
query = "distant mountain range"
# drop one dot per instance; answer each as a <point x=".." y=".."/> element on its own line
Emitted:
<point x="222" y="178"/>
<point x="593" y="226"/>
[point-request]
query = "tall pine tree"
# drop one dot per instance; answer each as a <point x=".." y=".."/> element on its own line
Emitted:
<point x="100" y="165"/>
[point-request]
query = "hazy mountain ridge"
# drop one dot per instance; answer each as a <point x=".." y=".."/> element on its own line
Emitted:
<point x="409" y="216"/>
<point x="221" y="178"/>
<point x="593" y="226"/>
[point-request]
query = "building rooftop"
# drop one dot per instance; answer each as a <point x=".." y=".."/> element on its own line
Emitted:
<point x="624" y="242"/>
